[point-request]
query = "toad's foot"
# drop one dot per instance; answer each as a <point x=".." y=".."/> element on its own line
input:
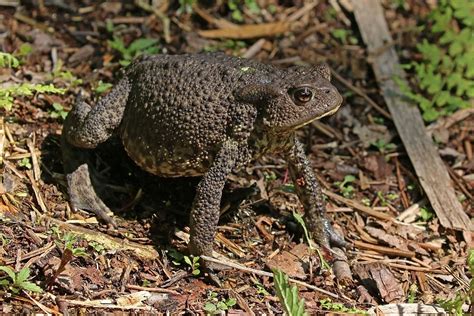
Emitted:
<point x="334" y="238"/>
<point x="83" y="195"/>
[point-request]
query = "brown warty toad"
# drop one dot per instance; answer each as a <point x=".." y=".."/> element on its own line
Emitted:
<point x="204" y="115"/>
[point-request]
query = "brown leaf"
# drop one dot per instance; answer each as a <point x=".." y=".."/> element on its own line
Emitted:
<point x="291" y="262"/>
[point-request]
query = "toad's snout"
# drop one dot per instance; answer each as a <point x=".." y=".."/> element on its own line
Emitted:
<point x="331" y="95"/>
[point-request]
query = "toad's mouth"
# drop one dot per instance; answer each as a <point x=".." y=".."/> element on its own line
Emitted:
<point x="314" y="118"/>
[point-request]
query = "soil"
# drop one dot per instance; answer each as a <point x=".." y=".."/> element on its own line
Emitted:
<point x="142" y="265"/>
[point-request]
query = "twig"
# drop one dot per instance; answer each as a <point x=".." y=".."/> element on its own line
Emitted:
<point x="300" y="12"/>
<point x="164" y="19"/>
<point x="41" y="306"/>
<point x="33" y="254"/>
<point x="36" y="191"/>
<point x="358" y="206"/>
<point x="265" y="273"/>
<point x="409" y="214"/>
<point x="151" y="289"/>
<point x="361" y="94"/>
<point x="105" y="304"/>
<point x="254" y="49"/>
<point x="384" y="250"/>
<point x="30" y="143"/>
<point x="2" y="139"/>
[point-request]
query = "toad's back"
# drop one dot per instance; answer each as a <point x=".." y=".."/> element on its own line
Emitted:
<point x="180" y="108"/>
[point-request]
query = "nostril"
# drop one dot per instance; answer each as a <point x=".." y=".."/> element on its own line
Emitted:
<point x="327" y="91"/>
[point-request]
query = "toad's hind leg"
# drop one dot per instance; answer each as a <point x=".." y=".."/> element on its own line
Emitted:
<point x="86" y="127"/>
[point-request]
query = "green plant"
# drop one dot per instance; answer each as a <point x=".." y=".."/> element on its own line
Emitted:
<point x="387" y="198"/>
<point x="214" y="305"/>
<point x="383" y="146"/>
<point x="269" y="176"/>
<point x="18" y="281"/>
<point x="25" y="163"/>
<point x="186" y="6"/>
<point x="102" y="87"/>
<point x="176" y="257"/>
<point x="328" y="304"/>
<point x="58" y="111"/>
<point x="261" y="290"/>
<point x="138" y="47"/>
<point x="345" y="186"/>
<point x="99" y="248"/>
<point x="446" y="69"/>
<point x="426" y="214"/>
<point x="412" y="293"/>
<point x="8" y="61"/>
<point x="193" y="262"/>
<point x="235" y="8"/>
<point x="70" y="251"/>
<point x="234" y="45"/>
<point x="65" y="75"/>
<point x="344" y="36"/>
<point x="300" y="221"/>
<point x="24" y="50"/>
<point x="70" y="240"/>
<point x="8" y="94"/>
<point x="288" y="296"/>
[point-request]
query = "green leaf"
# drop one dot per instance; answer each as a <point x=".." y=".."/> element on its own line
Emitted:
<point x="300" y="220"/>
<point x="57" y="106"/>
<point x="4" y="282"/>
<point x="430" y="52"/>
<point x="8" y="60"/>
<point x="455" y="48"/>
<point x="9" y="271"/>
<point x="231" y="302"/>
<point x="288" y="296"/>
<point x="210" y="307"/>
<point x="141" y="44"/>
<point x="23" y="275"/>
<point x="118" y="44"/>
<point x="188" y="261"/>
<point x="442" y="98"/>
<point x="430" y="115"/>
<point x="222" y="306"/>
<point x="29" y="286"/>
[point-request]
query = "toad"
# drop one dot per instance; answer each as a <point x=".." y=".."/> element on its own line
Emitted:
<point x="204" y="115"/>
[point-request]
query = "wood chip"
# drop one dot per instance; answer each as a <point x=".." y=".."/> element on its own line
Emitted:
<point x="248" y="31"/>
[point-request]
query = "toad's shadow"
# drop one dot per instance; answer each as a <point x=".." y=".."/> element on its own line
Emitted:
<point x="133" y="194"/>
<point x="164" y="201"/>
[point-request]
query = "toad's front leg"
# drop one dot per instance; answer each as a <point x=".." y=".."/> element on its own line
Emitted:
<point x="205" y="210"/>
<point x="309" y="192"/>
<point x="87" y="127"/>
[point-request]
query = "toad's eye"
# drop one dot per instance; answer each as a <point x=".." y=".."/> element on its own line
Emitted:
<point x="302" y="95"/>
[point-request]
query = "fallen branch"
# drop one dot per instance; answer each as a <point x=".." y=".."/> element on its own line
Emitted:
<point x="109" y="242"/>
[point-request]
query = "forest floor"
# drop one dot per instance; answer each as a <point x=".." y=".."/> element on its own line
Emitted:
<point x="82" y="265"/>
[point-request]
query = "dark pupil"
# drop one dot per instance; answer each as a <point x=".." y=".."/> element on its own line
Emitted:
<point x="303" y="95"/>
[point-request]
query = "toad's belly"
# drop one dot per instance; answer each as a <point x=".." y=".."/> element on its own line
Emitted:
<point x="176" y="161"/>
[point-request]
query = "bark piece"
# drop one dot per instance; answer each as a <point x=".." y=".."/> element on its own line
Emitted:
<point x="429" y="167"/>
